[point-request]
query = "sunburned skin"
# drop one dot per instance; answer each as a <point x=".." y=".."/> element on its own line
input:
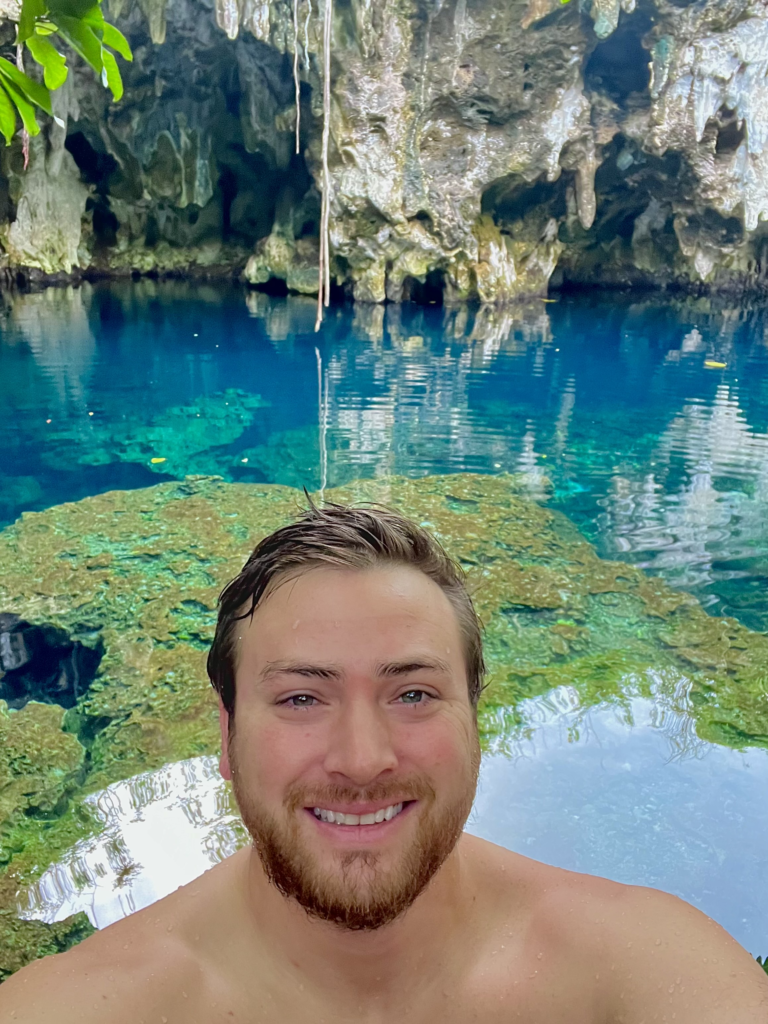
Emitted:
<point x="352" y="701"/>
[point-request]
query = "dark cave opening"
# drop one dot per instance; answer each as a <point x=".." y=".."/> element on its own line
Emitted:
<point x="43" y="663"/>
<point x="428" y="292"/>
<point x="275" y="286"/>
<point x="228" y="189"/>
<point x="95" y="165"/>
<point x="619" y="65"/>
<point x="731" y="135"/>
<point x="509" y="199"/>
<point x="105" y="223"/>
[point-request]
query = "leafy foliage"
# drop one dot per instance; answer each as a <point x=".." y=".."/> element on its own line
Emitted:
<point x="763" y="961"/>
<point x="81" y="25"/>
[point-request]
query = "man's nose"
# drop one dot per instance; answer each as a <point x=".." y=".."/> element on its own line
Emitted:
<point x="360" y="743"/>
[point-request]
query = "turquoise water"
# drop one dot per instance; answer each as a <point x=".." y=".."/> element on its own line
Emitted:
<point x="645" y="421"/>
<point x="660" y="458"/>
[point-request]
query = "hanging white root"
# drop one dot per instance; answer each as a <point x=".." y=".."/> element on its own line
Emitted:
<point x="296" y="81"/>
<point x="322" y="410"/>
<point x="306" y="32"/>
<point x="324" y="268"/>
<point x="24" y="132"/>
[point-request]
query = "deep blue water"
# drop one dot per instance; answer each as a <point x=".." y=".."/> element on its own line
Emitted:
<point x="655" y="449"/>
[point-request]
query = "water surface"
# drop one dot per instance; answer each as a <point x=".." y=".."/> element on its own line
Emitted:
<point x="645" y="421"/>
<point x="650" y="419"/>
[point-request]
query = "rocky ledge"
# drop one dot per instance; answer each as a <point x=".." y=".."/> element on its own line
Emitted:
<point x="479" y="149"/>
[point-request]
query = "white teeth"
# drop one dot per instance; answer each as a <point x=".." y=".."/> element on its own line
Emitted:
<point x="339" y="818"/>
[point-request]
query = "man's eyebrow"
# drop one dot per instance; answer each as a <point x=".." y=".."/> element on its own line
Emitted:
<point x="298" y="668"/>
<point x="404" y="668"/>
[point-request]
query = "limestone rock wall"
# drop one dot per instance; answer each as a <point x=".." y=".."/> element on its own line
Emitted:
<point x="480" y="149"/>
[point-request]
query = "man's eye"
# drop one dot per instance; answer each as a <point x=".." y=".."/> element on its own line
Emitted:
<point x="414" y="697"/>
<point x="299" y="700"/>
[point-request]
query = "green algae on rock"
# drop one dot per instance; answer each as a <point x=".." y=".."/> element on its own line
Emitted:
<point x="41" y="768"/>
<point x="176" y="441"/>
<point x="141" y="570"/>
<point x="40" y="765"/>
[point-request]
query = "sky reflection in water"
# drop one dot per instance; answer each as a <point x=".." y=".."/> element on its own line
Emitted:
<point x="586" y="790"/>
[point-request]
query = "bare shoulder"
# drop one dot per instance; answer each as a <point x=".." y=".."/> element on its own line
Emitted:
<point x="655" y="955"/>
<point x="676" y="960"/>
<point x="651" y="955"/>
<point x="113" y="975"/>
<point x="145" y="965"/>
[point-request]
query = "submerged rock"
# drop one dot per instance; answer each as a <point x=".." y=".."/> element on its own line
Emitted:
<point x="141" y="571"/>
<point x="178" y="441"/>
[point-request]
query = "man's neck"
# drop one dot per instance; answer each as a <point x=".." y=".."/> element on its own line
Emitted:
<point x="383" y="963"/>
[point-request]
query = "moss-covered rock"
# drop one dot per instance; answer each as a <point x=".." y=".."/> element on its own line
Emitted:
<point x="40" y="765"/>
<point x="142" y="570"/>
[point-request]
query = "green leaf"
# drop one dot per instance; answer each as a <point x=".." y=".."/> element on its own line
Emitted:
<point x="114" y="38"/>
<point x="31" y="12"/>
<point x="70" y="8"/>
<point x="114" y="81"/>
<point x="7" y="116"/>
<point x="54" y="64"/>
<point x="25" y="108"/>
<point x="82" y="39"/>
<point x="94" y="17"/>
<point x="31" y="91"/>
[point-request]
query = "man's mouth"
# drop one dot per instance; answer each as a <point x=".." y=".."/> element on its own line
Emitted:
<point x="371" y="818"/>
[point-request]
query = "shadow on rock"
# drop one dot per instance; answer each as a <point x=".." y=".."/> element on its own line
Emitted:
<point x="43" y="663"/>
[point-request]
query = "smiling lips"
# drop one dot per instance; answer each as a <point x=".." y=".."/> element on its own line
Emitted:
<point x="372" y="818"/>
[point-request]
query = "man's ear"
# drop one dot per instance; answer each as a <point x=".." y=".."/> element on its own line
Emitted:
<point x="224" y="765"/>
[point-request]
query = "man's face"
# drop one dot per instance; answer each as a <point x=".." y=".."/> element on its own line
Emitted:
<point x="352" y="700"/>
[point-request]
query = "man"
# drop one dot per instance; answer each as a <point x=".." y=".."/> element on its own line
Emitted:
<point x="348" y="663"/>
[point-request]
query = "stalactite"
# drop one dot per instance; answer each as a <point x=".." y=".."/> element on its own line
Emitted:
<point x="296" y="82"/>
<point x="324" y="270"/>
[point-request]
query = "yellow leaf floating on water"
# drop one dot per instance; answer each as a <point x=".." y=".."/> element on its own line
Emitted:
<point x="156" y="461"/>
<point x="712" y="365"/>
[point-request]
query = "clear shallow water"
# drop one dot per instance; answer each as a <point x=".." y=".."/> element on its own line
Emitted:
<point x="645" y="422"/>
<point x="633" y="798"/>
<point x="649" y="419"/>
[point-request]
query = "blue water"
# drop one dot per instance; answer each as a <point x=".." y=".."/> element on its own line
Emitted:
<point x="618" y="411"/>
<point x="644" y="420"/>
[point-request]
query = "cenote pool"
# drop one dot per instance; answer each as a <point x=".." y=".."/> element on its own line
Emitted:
<point x="600" y="467"/>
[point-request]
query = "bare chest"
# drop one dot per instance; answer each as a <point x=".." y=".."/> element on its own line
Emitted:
<point x="500" y="995"/>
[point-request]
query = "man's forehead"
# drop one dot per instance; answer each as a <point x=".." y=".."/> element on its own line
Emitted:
<point x="328" y="606"/>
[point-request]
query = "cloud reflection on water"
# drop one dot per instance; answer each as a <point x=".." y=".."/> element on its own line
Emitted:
<point x="626" y="790"/>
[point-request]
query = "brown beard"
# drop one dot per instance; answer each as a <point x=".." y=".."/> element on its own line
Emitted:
<point x="362" y="897"/>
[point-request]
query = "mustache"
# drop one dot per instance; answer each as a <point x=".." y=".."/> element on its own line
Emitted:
<point x="391" y="792"/>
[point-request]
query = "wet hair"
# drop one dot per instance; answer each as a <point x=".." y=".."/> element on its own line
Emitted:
<point x="344" y="537"/>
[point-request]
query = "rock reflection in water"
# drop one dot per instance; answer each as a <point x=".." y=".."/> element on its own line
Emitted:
<point x="161" y="830"/>
<point x="624" y="789"/>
